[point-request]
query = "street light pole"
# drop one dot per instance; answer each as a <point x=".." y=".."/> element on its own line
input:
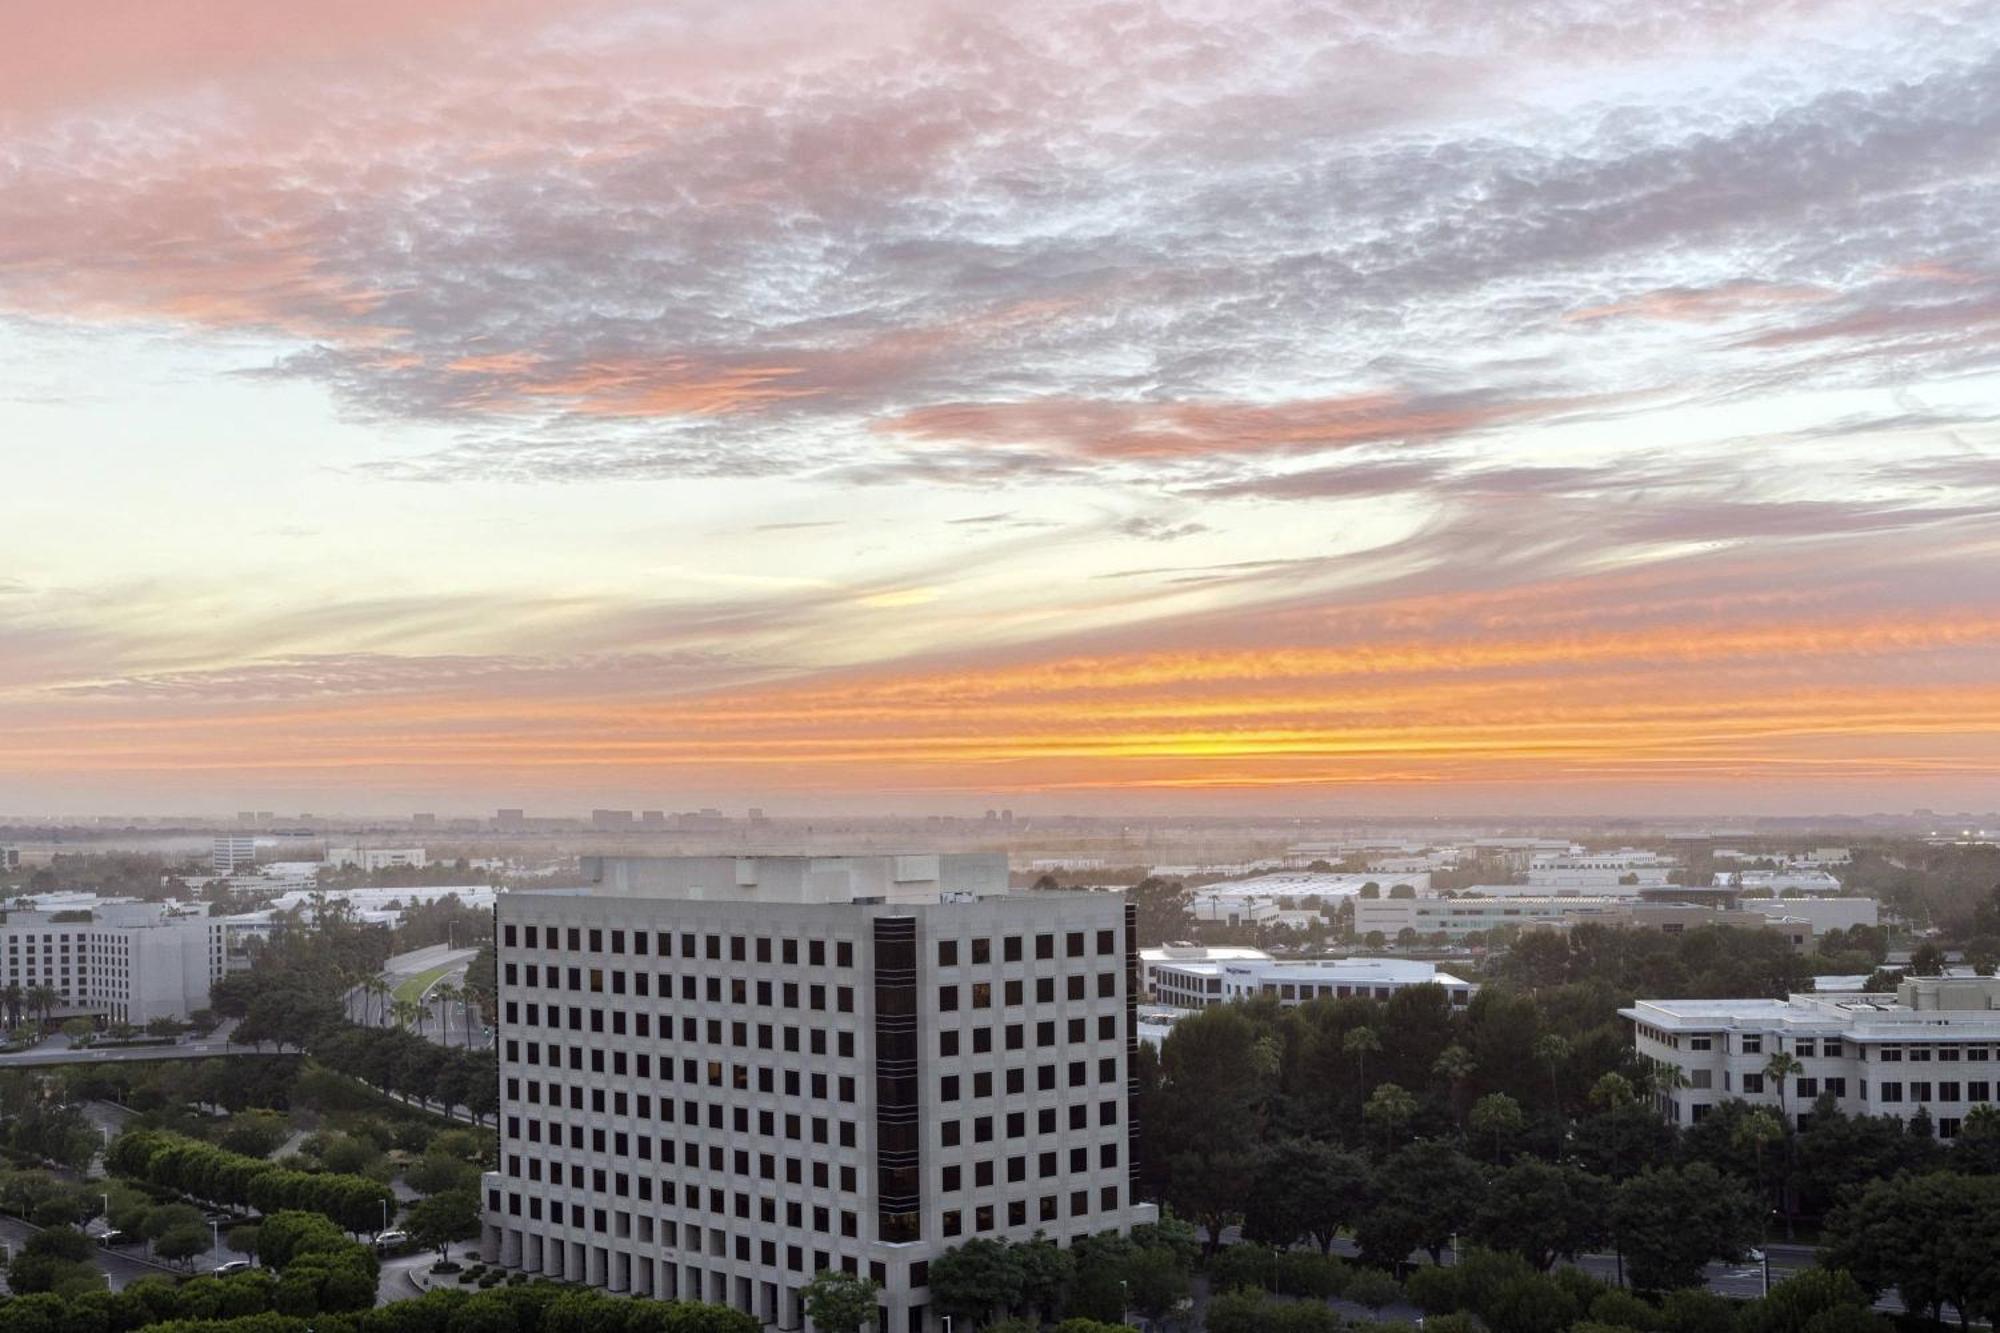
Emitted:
<point x="385" y="1216"/>
<point x="1124" y="1302"/>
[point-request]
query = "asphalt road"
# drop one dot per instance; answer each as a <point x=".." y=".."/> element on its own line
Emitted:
<point x="216" y="1043"/>
<point x="118" y="1266"/>
<point x="445" y="1030"/>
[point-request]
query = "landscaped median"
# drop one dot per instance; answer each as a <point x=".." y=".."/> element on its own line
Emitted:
<point x="413" y="988"/>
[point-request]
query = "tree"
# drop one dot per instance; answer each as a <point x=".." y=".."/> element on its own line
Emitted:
<point x="1374" y="1289"/>
<point x="1931" y="1237"/>
<point x="1552" y="1051"/>
<point x="242" y="1240"/>
<point x="1927" y="960"/>
<point x="1157" y="1281"/>
<point x="1390" y="1108"/>
<point x="976" y="1280"/>
<point x="1436" y="1190"/>
<point x="443" y="1218"/>
<point x="181" y="1243"/>
<point x="1304" y="1187"/>
<point x="1360" y="1043"/>
<point x="1047" y="1270"/>
<point x="1669" y="1221"/>
<point x="1455" y="1065"/>
<point x="1543" y="1213"/>
<point x="1161" y="914"/>
<point x="839" y="1303"/>
<point x="1497" y="1123"/>
<point x="443" y="996"/>
<point x="58" y="1259"/>
<point x="43" y="1000"/>
<point x="1622" y="1140"/>
<point x="1215" y="1076"/>
<point x="1530" y="1305"/>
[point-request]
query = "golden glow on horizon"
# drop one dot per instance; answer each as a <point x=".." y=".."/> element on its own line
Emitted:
<point x="1772" y="701"/>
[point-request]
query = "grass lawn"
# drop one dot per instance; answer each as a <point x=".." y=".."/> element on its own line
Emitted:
<point x="414" y="988"/>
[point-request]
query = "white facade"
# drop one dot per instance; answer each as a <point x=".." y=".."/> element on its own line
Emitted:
<point x="130" y="962"/>
<point x="1228" y="910"/>
<point x="1779" y="881"/>
<point x="1613" y="889"/>
<point x="371" y="859"/>
<point x="1150" y="960"/>
<point x="1935" y="1043"/>
<point x="1199" y="984"/>
<point x="1601" y="869"/>
<point x="1823" y="914"/>
<point x="1458" y="917"/>
<point x="721" y="1075"/>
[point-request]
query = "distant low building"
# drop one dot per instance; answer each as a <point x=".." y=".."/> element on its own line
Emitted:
<point x="1824" y="913"/>
<point x="371" y="859"/>
<point x="1601" y="869"/>
<point x="1457" y="918"/>
<point x="10" y="858"/>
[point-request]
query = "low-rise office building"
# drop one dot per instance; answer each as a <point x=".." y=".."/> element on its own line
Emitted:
<point x="1197" y="984"/>
<point x="1823" y="914"/>
<point x="1153" y="958"/>
<point x="371" y="859"/>
<point x="1456" y="918"/>
<point x="1934" y="1044"/>
<point x="1598" y="869"/>
<point x="722" y="1075"/>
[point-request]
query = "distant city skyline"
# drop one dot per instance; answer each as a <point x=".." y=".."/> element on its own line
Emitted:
<point x="1358" y="408"/>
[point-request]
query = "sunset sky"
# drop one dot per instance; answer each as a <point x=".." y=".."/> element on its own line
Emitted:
<point x="1363" y="406"/>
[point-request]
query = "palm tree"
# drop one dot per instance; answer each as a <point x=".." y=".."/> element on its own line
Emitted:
<point x="1391" y="1107"/>
<point x="43" y="999"/>
<point x="1552" y="1051"/>
<point x="403" y="1012"/>
<point x="380" y="991"/>
<point x="1358" y="1043"/>
<point x="1455" y="1065"/>
<point x="444" y="995"/>
<point x="12" y="997"/>
<point x="1782" y="1066"/>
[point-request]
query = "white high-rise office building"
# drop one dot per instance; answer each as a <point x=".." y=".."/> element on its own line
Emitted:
<point x="229" y="855"/>
<point x="722" y="1075"/>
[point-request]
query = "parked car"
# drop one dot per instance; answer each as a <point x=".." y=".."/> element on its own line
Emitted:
<point x="116" y="1237"/>
<point x="233" y="1266"/>
<point x="389" y="1240"/>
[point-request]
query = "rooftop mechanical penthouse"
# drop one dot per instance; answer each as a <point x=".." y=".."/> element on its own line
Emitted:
<point x="722" y="1075"/>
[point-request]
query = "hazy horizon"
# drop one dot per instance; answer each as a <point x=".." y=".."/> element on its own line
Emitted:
<point x="1157" y="405"/>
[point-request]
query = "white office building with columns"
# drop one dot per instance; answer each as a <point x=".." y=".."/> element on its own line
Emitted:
<point x="722" y="1075"/>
